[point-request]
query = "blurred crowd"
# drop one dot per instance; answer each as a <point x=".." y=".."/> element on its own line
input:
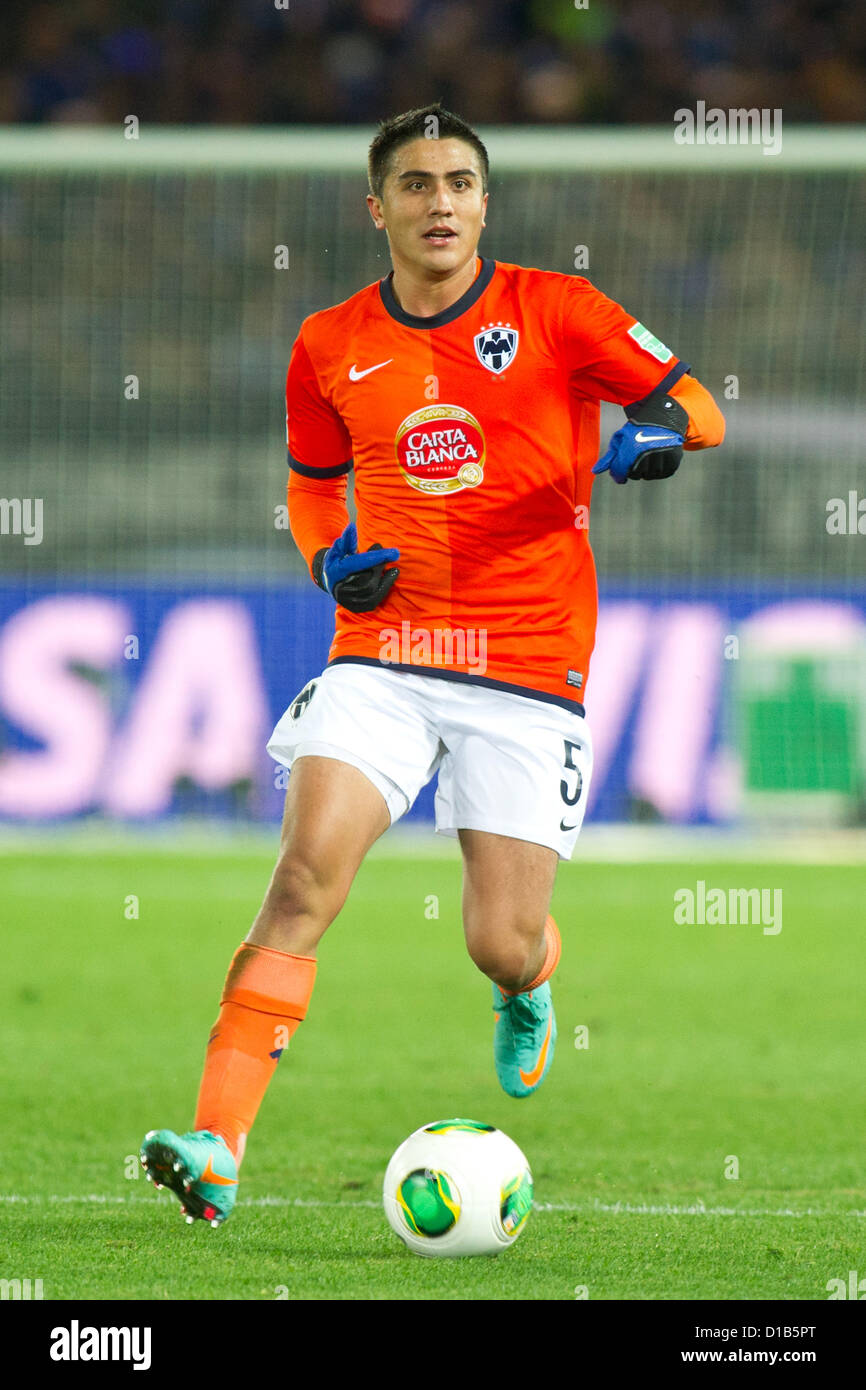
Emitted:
<point x="494" y="61"/>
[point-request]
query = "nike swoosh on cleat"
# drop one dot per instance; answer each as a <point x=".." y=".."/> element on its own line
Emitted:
<point x="210" y="1176"/>
<point x="529" y="1078"/>
<point x="355" y="375"/>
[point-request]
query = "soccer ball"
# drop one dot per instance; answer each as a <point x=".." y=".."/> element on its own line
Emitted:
<point x="458" y="1187"/>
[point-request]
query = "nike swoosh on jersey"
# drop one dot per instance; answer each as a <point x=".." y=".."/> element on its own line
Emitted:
<point x="355" y="375"/>
<point x="563" y="826"/>
<point x="641" y="438"/>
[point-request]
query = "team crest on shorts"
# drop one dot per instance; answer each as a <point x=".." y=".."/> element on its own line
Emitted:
<point x="441" y="449"/>
<point x="300" y="702"/>
<point x="496" y="346"/>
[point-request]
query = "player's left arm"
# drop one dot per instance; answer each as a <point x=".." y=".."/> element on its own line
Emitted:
<point x="650" y="444"/>
<point x="706" y="427"/>
<point x="613" y="357"/>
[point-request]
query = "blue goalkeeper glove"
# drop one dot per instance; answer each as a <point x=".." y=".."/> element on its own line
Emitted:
<point x="650" y="444"/>
<point x="358" y="582"/>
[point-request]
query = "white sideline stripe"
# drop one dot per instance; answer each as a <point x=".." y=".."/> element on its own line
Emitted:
<point x="598" y="844"/>
<point x="587" y="1208"/>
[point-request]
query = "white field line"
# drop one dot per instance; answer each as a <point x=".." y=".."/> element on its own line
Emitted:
<point x="585" y="1208"/>
<point x="600" y="844"/>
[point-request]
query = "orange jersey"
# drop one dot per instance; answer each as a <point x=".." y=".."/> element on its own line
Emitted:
<point x="473" y="435"/>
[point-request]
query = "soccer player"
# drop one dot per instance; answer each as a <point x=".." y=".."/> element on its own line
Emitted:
<point x="465" y="393"/>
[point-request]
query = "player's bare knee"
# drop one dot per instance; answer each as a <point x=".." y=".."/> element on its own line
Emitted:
<point x="507" y="963"/>
<point x="302" y="888"/>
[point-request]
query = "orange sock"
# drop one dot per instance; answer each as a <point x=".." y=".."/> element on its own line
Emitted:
<point x="551" y="959"/>
<point x="264" y="998"/>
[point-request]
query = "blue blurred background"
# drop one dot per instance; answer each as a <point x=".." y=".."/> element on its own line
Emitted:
<point x="155" y="617"/>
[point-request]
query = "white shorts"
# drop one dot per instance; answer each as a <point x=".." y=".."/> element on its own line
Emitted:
<point x="508" y="764"/>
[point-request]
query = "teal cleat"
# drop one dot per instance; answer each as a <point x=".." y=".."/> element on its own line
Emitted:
<point x="198" y="1167"/>
<point x="524" y="1039"/>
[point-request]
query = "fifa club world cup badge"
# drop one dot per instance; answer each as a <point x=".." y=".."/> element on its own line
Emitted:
<point x="496" y="346"/>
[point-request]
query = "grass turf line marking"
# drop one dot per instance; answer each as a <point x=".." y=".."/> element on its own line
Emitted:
<point x="599" y="844"/>
<point x="585" y="1208"/>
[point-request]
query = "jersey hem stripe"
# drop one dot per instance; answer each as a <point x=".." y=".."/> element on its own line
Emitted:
<point x="464" y="678"/>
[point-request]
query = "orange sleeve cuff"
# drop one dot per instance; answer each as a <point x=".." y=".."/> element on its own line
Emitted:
<point x="706" y="421"/>
<point x="317" y="512"/>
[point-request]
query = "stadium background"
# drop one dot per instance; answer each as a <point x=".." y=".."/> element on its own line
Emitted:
<point x="163" y="620"/>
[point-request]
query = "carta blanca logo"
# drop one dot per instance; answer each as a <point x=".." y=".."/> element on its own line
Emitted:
<point x="441" y="449"/>
<point x="77" y="1343"/>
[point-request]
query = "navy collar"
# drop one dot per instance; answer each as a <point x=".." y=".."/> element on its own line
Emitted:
<point x="472" y="295"/>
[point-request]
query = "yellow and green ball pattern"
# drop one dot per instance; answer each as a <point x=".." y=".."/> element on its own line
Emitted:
<point x="430" y="1202"/>
<point x="516" y="1203"/>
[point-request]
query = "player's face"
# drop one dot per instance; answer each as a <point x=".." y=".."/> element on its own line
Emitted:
<point x="432" y="205"/>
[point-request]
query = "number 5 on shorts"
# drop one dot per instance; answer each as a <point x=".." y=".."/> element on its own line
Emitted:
<point x="570" y="796"/>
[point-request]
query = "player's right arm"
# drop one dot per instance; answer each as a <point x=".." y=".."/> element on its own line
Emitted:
<point x="320" y="456"/>
<point x="317" y="513"/>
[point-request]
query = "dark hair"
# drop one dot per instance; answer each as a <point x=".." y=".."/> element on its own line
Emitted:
<point x="412" y="125"/>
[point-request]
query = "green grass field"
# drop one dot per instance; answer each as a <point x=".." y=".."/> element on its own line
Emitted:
<point x="704" y="1042"/>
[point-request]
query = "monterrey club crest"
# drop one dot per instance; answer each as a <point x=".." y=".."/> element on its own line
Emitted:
<point x="441" y="449"/>
<point x="300" y="702"/>
<point x="496" y="346"/>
